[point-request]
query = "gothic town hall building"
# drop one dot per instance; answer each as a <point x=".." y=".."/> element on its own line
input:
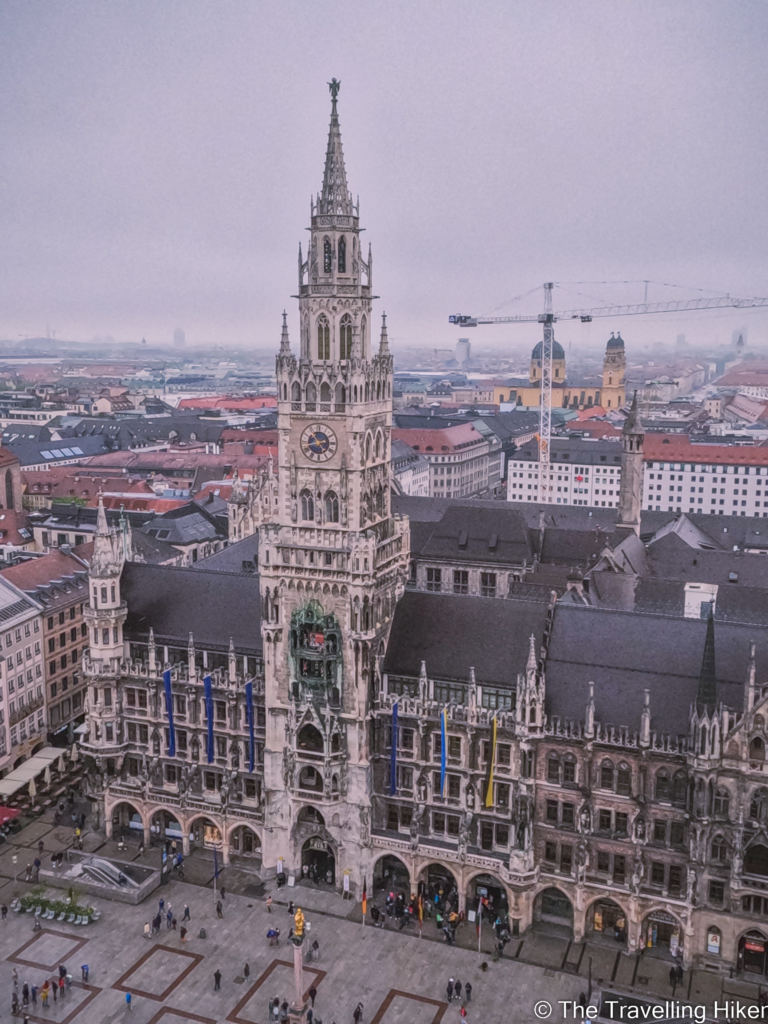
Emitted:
<point x="579" y="731"/>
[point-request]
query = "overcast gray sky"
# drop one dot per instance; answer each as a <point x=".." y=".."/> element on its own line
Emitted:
<point x="157" y="159"/>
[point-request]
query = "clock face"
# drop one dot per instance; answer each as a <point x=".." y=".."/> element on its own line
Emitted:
<point x="318" y="443"/>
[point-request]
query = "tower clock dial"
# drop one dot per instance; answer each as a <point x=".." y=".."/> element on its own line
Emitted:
<point x="318" y="442"/>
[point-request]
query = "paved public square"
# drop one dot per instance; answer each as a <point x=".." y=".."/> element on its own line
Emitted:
<point x="399" y="977"/>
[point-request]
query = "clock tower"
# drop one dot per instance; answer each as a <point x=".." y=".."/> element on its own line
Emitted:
<point x="333" y="560"/>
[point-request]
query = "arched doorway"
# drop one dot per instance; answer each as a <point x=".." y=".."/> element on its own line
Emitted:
<point x="662" y="934"/>
<point x="752" y="953"/>
<point x="438" y="885"/>
<point x="488" y="893"/>
<point x="205" y="833"/>
<point x="311" y="739"/>
<point x="391" y="875"/>
<point x="125" y="818"/>
<point x="319" y="860"/>
<point x="244" y="842"/>
<point x="164" y="827"/>
<point x="606" y="919"/>
<point x="553" y="909"/>
<point x="756" y="860"/>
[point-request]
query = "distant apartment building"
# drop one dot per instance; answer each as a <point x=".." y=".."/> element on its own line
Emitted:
<point x="410" y="470"/>
<point x="22" y="684"/>
<point x="463" y="463"/>
<point x="58" y="582"/>
<point x="678" y="476"/>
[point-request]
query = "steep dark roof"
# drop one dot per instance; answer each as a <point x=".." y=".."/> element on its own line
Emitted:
<point x="480" y="535"/>
<point x="240" y="557"/>
<point x="214" y="606"/>
<point x="452" y="634"/>
<point x="624" y="653"/>
<point x="672" y="558"/>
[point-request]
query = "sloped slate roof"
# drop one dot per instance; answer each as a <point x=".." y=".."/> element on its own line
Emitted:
<point x="480" y="535"/>
<point x="214" y="606"/>
<point x="624" y="653"/>
<point x="452" y="634"/>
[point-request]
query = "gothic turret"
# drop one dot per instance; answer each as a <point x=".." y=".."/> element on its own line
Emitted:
<point x="631" y="492"/>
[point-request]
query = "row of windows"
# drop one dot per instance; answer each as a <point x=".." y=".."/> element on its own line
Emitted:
<point x="488" y="582"/>
<point x="65" y="637"/>
<point x="62" y="616"/>
<point x="28" y="630"/>
<point x="61" y="663"/>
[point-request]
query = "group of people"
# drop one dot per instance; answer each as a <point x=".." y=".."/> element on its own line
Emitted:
<point x="453" y="990"/>
<point x="30" y="993"/>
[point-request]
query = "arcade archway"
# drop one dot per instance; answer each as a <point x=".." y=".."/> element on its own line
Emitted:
<point x="319" y="860"/>
<point x="205" y="833"/>
<point x="438" y="884"/>
<point x="662" y="933"/>
<point x="391" y="875"/>
<point x="753" y="953"/>
<point x="245" y="842"/>
<point x="606" y="919"/>
<point x="165" y="827"/>
<point x="487" y="893"/>
<point x="126" y="819"/>
<point x="553" y="909"/>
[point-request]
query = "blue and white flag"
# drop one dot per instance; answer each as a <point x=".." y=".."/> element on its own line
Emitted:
<point x="249" y="713"/>
<point x="209" y="716"/>
<point x="169" y="712"/>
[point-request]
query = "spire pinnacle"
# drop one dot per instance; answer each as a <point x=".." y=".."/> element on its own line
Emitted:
<point x="707" y="693"/>
<point x="285" y="345"/>
<point x="335" y="197"/>
<point x="531" y="666"/>
<point x="384" y="344"/>
<point x="102" y="529"/>
<point x="632" y="424"/>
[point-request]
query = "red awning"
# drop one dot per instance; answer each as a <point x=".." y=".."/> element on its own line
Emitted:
<point x="6" y="813"/>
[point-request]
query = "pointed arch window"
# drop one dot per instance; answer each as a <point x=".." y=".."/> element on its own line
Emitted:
<point x="363" y="326"/>
<point x="345" y="337"/>
<point x="307" y="506"/>
<point x="327" y="256"/>
<point x="342" y="255"/>
<point x="296" y="393"/>
<point x="325" y="397"/>
<point x="341" y="397"/>
<point x="331" y="507"/>
<point x="323" y="337"/>
<point x="311" y="397"/>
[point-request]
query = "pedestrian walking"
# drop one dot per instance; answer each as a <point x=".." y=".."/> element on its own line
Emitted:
<point x="55" y="987"/>
<point x="25" y="994"/>
<point x="128" y="1001"/>
<point x="33" y="993"/>
<point x="468" y="991"/>
<point x="216" y="980"/>
<point x="4" y="912"/>
<point x="15" y="976"/>
<point x="310" y="1015"/>
<point x="61" y="987"/>
<point x="247" y="971"/>
<point x="357" y="1016"/>
<point x="40" y="848"/>
<point x="673" y="980"/>
<point x="223" y="892"/>
<point x="457" y="989"/>
<point x="168" y="920"/>
<point x="84" y="972"/>
<point x="312" y="994"/>
<point x="463" y="1013"/>
<point x="679" y="973"/>
<point x="218" y="909"/>
<point x="186" y="916"/>
<point x="449" y="990"/>
<point x="45" y="991"/>
<point x="146" y="930"/>
<point x="161" y="905"/>
<point x="269" y="905"/>
<point x="183" y="933"/>
<point x="14" y="1004"/>
<point x="284" y="1011"/>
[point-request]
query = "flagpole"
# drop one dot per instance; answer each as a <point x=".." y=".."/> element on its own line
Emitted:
<point x="479" y="924"/>
<point x="364" y="902"/>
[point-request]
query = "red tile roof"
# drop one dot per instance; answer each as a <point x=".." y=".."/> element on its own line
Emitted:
<point x="39" y="571"/>
<point x="677" y="448"/>
<point x="229" y="402"/>
<point x="450" y="439"/>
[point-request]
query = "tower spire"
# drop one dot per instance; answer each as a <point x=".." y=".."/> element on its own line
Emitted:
<point x="285" y="345"/>
<point x="384" y="344"/>
<point x="707" y="693"/>
<point x="335" y="197"/>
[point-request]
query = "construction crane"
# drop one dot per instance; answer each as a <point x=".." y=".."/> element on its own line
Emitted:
<point x="547" y="319"/>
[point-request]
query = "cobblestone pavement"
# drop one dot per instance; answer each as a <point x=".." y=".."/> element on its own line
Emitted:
<point x="399" y="977"/>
